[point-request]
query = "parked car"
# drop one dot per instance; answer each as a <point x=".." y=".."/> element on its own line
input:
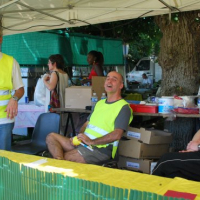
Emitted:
<point x="145" y="65"/>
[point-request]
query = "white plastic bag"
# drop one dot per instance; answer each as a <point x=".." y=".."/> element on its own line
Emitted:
<point x="40" y="92"/>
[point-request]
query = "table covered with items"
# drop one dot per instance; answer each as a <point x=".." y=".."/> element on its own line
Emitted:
<point x="181" y="115"/>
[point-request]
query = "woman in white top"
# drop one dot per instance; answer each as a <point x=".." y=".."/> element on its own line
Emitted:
<point x="56" y="64"/>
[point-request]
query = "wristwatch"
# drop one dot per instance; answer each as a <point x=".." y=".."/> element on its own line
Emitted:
<point x="15" y="98"/>
<point x="198" y="146"/>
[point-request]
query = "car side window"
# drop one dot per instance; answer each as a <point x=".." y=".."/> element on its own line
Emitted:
<point x="143" y="65"/>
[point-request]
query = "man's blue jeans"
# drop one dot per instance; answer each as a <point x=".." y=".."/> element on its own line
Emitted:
<point x="6" y="135"/>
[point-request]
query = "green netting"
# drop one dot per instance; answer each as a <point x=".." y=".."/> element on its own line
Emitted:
<point x="19" y="182"/>
<point x="35" y="48"/>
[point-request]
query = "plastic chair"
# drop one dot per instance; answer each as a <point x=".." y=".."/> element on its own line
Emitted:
<point x="46" y="123"/>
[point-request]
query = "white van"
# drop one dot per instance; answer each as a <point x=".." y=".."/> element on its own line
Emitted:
<point x="147" y="66"/>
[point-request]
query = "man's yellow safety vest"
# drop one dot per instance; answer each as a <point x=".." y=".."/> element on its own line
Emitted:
<point x="6" y="66"/>
<point x="102" y="121"/>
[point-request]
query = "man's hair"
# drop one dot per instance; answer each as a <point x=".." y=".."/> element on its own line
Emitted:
<point x="144" y="75"/>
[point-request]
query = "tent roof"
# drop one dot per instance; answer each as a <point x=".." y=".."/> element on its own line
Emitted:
<point x="21" y="16"/>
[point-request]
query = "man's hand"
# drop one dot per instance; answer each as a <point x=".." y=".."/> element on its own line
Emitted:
<point x="192" y="146"/>
<point x="85" y="139"/>
<point x="184" y="151"/>
<point x="12" y="108"/>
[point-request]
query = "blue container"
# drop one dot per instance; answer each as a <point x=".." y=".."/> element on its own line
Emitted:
<point x="165" y="105"/>
<point x="133" y="102"/>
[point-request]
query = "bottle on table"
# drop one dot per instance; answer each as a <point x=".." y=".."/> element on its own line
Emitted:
<point x="26" y="99"/>
<point x="103" y="96"/>
<point x="94" y="100"/>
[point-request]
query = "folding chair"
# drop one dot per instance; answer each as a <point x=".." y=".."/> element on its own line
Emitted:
<point x="46" y="123"/>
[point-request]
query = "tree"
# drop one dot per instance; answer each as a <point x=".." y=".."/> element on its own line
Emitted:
<point x="179" y="59"/>
<point x="179" y="53"/>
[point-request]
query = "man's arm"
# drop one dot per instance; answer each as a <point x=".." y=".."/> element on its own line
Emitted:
<point x="193" y="144"/>
<point x="82" y="129"/>
<point x="196" y="137"/>
<point x="12" y="107"/>
<point x="106" y="139"/>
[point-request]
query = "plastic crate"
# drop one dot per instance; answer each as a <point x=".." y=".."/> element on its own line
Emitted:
<point x="133" y="107"/>
<point x="144" y="108"/>
<point x="186" y="110"/>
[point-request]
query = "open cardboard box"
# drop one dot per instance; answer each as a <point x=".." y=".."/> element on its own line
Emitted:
<point x="98" y="85"/>
<point x="139" y="165"/>
<point x="78" y="97"/>
<point x="137" y="149"/>
<point x="149" y="136"/>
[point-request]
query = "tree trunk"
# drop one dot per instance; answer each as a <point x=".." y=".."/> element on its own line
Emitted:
<point x="179" y="54"/>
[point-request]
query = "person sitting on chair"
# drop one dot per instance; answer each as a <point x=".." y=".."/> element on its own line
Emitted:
<point x="184" y="164"/>
<point x="146" y="82"/>
<point x="101" y="132"/>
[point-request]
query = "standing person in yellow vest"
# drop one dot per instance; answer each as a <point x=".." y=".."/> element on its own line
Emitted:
<point x="10" y="80"/>
<point x="99" y="136"/>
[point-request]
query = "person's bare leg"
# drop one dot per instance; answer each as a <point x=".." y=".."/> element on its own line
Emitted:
<point x="74" y="156"/>
<point x="58" y="145"/>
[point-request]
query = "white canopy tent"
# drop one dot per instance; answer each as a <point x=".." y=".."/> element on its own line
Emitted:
<point x="19" y="16"/>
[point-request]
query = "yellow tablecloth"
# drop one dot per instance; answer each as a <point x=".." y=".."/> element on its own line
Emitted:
<point x="113" y="177"/>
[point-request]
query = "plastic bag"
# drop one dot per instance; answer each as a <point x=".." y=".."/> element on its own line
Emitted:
<point x="40" y="92"/>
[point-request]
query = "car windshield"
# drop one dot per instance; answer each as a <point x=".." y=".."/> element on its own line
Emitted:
<point x="143" y="65"/>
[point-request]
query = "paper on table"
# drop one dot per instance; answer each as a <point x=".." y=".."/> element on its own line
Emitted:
<point x="36" y="163"/>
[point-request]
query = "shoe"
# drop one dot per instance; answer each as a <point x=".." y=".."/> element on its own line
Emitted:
<point x="46" y="154"/>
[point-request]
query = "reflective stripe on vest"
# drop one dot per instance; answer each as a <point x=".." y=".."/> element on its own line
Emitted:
<point x="6" y="66"/>
<point x="4" y="92"/>
<point x="99" y="132"/>
<point x="101" y="123"/>
<point x="4" y="102"/>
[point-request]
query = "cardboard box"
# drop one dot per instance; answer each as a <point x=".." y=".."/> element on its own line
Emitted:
<point x="78" y="97"/>
<point x="149" y="136"/>
<point x="98" y="85"/>
<point x="137" y="149"/>
<point x="139" y="165"/>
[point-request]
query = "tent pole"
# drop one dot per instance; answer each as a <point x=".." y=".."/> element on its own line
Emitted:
<point x="44" y="13"/>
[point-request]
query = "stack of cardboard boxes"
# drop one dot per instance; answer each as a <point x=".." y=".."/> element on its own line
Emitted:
<point x="139" y="148"/>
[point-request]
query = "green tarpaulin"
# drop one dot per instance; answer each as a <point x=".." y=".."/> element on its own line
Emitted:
<point x="35" y="48"/>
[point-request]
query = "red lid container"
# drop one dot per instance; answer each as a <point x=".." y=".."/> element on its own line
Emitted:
<point x="144" y="108"/>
